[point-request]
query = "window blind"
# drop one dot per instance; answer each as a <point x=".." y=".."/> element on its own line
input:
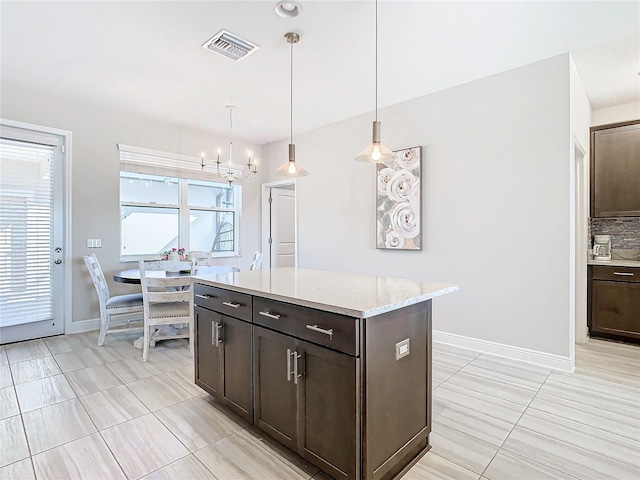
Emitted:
<point x="153" y="162"/>
<point x="26" y="208"/>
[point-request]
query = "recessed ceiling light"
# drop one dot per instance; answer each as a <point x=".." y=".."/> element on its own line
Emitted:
<point x="288" y="9"/>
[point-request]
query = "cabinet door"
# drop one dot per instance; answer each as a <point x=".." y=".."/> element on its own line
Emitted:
<point x="275" y="393"/>
<point x="616" y="171"/>
<point x="616" y="308"/>
<point x="235" y="336"/>
<point x="207" y="354"/>
<point x="329" y="410"/>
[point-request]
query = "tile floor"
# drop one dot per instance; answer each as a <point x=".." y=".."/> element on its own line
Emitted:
<point x="69" y="409"/>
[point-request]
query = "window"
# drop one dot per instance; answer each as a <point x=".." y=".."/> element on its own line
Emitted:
<point x="160" y="212"/>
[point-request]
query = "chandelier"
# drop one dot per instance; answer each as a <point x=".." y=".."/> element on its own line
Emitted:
<point x="248" y="172"/>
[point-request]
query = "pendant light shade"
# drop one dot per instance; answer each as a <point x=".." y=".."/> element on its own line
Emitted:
<point x="376" y="152"/>
<point x="291" y="168"/>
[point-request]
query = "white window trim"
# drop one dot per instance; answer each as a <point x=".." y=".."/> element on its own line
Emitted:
<point x="183" y="167"/>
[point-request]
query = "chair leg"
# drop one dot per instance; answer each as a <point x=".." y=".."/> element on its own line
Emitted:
<point x="145" y="347"/>
<point x="105" y="320"/>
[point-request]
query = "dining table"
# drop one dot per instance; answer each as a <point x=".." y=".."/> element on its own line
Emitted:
<point x="132" y="275"/>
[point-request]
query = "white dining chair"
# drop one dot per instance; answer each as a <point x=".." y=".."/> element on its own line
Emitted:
<point x="167" y="301"/>
<point x="115" y="312"/>
<point x="256" y="263"/>
<point x="201" y="257"/>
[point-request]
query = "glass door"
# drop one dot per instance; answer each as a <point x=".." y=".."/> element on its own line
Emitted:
<point x="31" y="234"/>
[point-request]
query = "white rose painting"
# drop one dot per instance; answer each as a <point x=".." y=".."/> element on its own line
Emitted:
<point x="399" y="199"/>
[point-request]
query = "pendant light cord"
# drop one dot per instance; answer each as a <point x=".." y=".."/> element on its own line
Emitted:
<point x="291" y="119"/>
<point x="230" y="136"/>
<point x="376" y="60"/>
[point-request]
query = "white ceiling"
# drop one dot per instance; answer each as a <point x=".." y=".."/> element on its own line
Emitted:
<point x="147" y="57"/>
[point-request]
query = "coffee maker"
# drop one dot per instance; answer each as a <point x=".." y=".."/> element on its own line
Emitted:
<point x="602" y="247"/>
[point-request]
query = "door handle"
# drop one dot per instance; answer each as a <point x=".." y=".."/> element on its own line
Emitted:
<point x="275" y="316"/>
<point x="213" y="333"/>
<point x="288" y="365"/>
<point x="232" y="305"/>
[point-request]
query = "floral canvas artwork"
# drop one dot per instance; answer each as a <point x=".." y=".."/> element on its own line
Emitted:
<point x="399" y="199"/>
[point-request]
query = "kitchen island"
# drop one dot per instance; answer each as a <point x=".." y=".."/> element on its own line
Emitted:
<point x="335" y="366"/>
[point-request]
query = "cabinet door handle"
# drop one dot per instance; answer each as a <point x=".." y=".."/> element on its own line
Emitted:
<point x="275" y="316"/>
<point x="623" y="274"/>
<point x="288" y="365"/>
<point x="315" y="328"/>
<point x="213" y="333"/>
<point x="229" y="304"/>
<point x="218" y="327"/>
<point x="296" y="375"/>
<point x="206" y="297"/>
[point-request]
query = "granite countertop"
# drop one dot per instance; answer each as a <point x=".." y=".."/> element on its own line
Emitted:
<point x="615" y="263"/>
<point x="619" y="258"/>
<point x="350" y="294"/>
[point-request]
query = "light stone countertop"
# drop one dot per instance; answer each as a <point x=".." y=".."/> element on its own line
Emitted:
<point x="355" y="295"/>
<point x="619" y="258"/>
<point x="615" y="263"/>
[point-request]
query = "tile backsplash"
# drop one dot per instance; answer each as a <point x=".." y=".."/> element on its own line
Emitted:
<point x="624" y="231"/>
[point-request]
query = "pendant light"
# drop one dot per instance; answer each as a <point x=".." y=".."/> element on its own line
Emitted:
<point x="291" y="168"/>
<point x="376" y="151"/>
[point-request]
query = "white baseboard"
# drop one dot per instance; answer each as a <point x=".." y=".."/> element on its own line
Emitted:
<point x="83" y="326"/>
<point x="550" y="360"/>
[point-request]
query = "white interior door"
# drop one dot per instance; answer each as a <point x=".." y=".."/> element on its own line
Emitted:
<point x="282" y="244"/>
<point x="32" y="273"/>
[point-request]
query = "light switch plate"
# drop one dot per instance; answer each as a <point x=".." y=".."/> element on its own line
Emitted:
<point x="402" y="349"/>
<point x="94" y="243"/>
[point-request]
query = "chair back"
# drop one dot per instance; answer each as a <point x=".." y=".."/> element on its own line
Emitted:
<point x="256" y="263"/>
<point x="201" y="257"/>
<point x="163" y="289"/>
<point x="91" y="261"/>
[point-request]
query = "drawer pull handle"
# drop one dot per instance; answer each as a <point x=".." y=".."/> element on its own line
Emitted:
<point x="315" y="328"/>
<point x="623" y="274"/>
<point x="229" y="304"/>
<point x="275" y="316"/>
<point x="206" y="297"/>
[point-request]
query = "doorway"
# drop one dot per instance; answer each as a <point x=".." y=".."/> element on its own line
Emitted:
<point x="581" y="192"/>
<point x="34" y="237"/>
<point x="279" y="224"/>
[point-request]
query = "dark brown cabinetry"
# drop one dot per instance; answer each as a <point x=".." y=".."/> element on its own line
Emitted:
<point x="615" y="170"/>
<point x="615" y="302"/>
<point x="224" y="350"/>
<point x="350" y="395"/>
<point x="306" y="397"/>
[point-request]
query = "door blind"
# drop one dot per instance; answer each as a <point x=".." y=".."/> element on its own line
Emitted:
<point x="26" y="209"/>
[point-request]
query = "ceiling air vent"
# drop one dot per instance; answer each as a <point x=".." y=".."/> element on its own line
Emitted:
<point x="230" y="45"/>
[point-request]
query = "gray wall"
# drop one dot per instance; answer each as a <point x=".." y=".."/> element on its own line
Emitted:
<point x="96" y="129"/>
<point x="495" y="210"/>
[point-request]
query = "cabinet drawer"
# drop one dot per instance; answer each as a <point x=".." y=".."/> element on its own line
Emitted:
<point x="616" y="274"/>
<point x="338" y="332"/>
<point x="230" y="303"/>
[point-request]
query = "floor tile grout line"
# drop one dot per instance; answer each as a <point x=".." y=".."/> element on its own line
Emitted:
<point x="582" y="447"/>
<point x="515" y="424"/>
<point x="574" y="446"/>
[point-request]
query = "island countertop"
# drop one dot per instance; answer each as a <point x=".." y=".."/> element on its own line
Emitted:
<point x="355" y="295"/>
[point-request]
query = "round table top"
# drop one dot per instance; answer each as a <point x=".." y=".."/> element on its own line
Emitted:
<point x="132" y="275"/>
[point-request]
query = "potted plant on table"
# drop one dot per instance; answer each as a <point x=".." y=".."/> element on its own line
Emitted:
<point x="175" y="254"/>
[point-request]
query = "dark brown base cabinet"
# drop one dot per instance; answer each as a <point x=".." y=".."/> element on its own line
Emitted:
<point x="223" y="364"/>
<point x="352" y="396"/>
<point x="615" y="303"/>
